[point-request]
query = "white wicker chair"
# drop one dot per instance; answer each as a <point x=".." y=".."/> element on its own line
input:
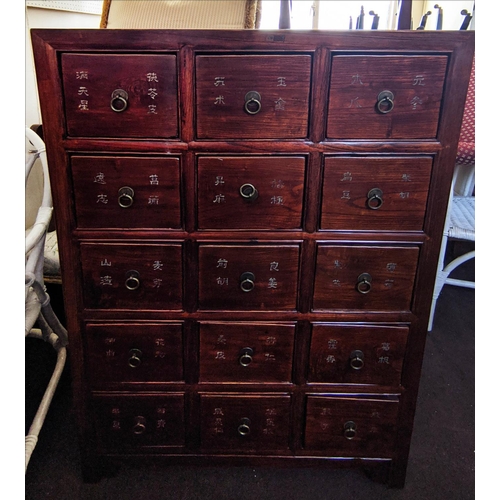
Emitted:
<point x="460" y="217"/>
<point x="38" y="311"/>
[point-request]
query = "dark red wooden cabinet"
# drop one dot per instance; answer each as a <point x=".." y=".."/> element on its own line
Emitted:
<point x="249" y="224"/>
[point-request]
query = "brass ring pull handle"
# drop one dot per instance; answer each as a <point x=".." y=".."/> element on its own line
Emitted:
<point x="249" y="192"/>
<point x="119" y="100"/>
<point x="385" y="102"/>
<point x="244" y="427"/>
<point x="247" y="281"/>
<point x="374" y="199"/>
<point x="246" y="356"/>
<point x="364" y="284"/>
<point x="135" y="358"/>
<point x="125" y="197"/>
<point x="132" y="281"/>
<point x="139" y="426"/>
<point x="252" y="102"/>
<point x="349" y="430"/>
<point x="357" y="360"/>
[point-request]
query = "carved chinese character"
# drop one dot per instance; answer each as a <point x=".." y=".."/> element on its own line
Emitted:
<point x="157" y="265"/>
<point x="270" y="340"/>
<point x="82" y="75"/>
<point x="84" y="105"/>
<point x="279" y="105"/>
<point x="109" y="340"/>
<point x="222" y="281"/>
<point x="384" y="360"/>
<point x="153" y="179"/>
<point x="330" y="359"/>
<point x="277" y="200"/>
<point x="152" y="77"/>
<point x="99" y="178"/>
<point x="110" y="353"/>
<point x="221" y="339"/>
<point x="336" y="282"/>
<point x="106" y="280"/>
<point x="404" y="194"/>
<point x="219" y="198"/>
<point x="281" y="81"/>
<point x="355" y="103"/>
<point x="220" y="355"/>
<point x="219" y="100"/>
<point x="160" y="354"/>
<point x="116" y="425"/>
<point x="83" y="91"/>
<point x="415" y="102"/>
<point x="332" y="344"/>
<point x="218" y="411"/>
<point x="152" y="109"/>
<point x="105" y="262"/>
<point x="386" y="346"/>
<point x="272" y="283"/>
<point x="153" y="200"/>
<point x="346" y="195"/>
<point x="419" y="80"/>
<point x="222" y="263"/>
<point x="269" y="357"/>
<point x="273" y="266"/>
<point x="102" y="198"/>
<point x="347" y="177"/>
<point x="152" y="93"/>
<point x="356" y="80"/>
<point x="219" y="81"/>
<point x="406" y="177"/>
<point x="157" y="282"/>
<point x="161" y="423"/>
<point x="219" y="179"/>
<point x="391" y="266"/>
<point x="277" y="183"/>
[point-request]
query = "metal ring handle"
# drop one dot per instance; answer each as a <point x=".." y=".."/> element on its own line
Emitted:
<point x="134" y="361"/>
<point x="248" y="192"/>
<point x="374" y="199"/>
<point x="246" y="356"/>
<point x="119" y="96"/>
<point x="349" y="430"/>
<point x="132" y="281"/>
<point x="385" y="102"/>
<point x="364" y="284"/>
<point x="125" y="197"/>
<point x="252" y="98"/>
<point x="244" y="427"/>
<point x="357" y="360"/>
<point x="247" y="281"/>
<point x="247" y="285"/>
<point x="139" y="426"/>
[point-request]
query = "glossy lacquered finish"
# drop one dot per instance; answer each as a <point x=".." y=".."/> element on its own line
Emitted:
<point x="249" y="224"/>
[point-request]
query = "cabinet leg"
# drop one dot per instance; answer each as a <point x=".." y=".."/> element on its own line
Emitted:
<point x="378" y="473"/>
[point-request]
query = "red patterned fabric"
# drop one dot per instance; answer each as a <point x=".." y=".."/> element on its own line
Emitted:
<point x="466" y="154"/>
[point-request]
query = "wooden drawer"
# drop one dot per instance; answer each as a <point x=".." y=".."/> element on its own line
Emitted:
<point x="124" y="353"/>
<point x="148" y="108"/>
<point x="126" y="192"/>
<point x="375" y="193"/>
<point x="278" y="107"/>
<point x="246" y="352"/>
<point x="377" y="278"/>
<point x="137" y="421"/>
<point x="132" y="276"/>
<point x="250" y="192"/>
<point x="245" y="423"/>
<point x="351" y="427"/>
<point x="357" y="354"/>
<point x="248" y="277"/>
<point x="413" y="87"/>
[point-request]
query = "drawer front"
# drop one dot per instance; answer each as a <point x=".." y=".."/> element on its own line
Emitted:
<point x="120" y="95"/>
<point x="132" y="276"/>
<point x="346" y="427"/>
<point x="123" y="353"/>
<point x="252" y="96"/>
<point x="374" y="193"/>
<point x="245" y="423"/>
<point x="385" y="97"/>
<point x="247" y="277"/>
<point x="126" y="192"/>
<point x="246" y="352"/>
<point x="250" y="192"/>
<point x="364" y="277"/>
<point x="138" y="422"/>
<point x="357" y="354"/>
